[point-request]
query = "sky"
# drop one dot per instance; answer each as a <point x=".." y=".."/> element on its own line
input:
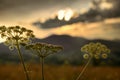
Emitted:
<point x="29" y="10"/>
<point x="25" y="12"/>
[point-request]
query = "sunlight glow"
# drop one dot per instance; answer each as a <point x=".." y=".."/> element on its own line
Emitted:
<point x="61" y="14"/>
<point x="66" y="14"/>
<point x="1" y="40"/>
<point x="94" y="30"/>
<point x="103" y="5"/>
<point x="106" y="5"/>
<point x="83" y="11"/>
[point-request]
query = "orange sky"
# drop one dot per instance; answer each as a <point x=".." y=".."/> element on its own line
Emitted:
<point x="24" y="14"/>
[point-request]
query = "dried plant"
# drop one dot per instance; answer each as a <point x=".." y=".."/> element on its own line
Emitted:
<point x="14" y="37"/>
<point x="42" y="50"/>
<point x="93" y="50"/>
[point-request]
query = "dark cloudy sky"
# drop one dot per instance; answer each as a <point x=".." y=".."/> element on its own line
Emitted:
<point x="25" y="12"/>
<point x="17" y="10"/>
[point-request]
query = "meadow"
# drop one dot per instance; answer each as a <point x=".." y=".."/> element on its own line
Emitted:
<point x="59" y="72"/>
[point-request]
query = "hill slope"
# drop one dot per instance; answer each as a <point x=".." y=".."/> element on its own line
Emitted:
<point x="71" y="50"/>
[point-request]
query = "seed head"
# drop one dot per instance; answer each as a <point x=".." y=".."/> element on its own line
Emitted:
<point x="96" y="50"/>
<point x="11" y="47"/>
<point x="104" y="56"/>
<point x="44" y="49"/>
<point x="16" y="34"/>
<point x="85" y="56"/>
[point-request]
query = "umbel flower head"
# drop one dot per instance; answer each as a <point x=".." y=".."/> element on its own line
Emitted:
<point x="95" y="50"/>
<point x="15" y="35"/>
<point x="44" y="49"/>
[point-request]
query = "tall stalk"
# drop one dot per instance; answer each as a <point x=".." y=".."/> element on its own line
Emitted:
<point x="42" y="68"/>
<point x="16" y="36"/>
<point x="83" y="70"/>
<point x="93" y="50"/>
<point x="22" y="61"/>
<point x="42" y="50"/>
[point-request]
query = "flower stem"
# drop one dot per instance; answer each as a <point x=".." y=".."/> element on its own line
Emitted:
<point x="83" y="70"/>
<point x="42" y="68"/>
<point x="22" y="61"/>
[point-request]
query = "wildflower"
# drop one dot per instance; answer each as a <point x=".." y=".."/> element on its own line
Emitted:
<point x="104" y="56"/>
<point x="6" y="43"/>
<point x="85" y="56"/>
<point x="16" y="36"/>
<point x="96" y="56"/>
<point x="42" y="50"/>
<point x="95" y="50"/>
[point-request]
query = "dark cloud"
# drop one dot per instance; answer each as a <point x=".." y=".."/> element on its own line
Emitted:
<point x="25" y="9"/>
<point x="92" y="15"/>
<point x="8" y="4"/>
<point x="107" y="13"/>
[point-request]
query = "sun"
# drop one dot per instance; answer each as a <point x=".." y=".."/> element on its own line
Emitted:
<point x="61" y="14"/>
<point x="65" y="14"/>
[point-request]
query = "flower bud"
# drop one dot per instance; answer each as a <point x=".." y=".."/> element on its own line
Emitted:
<point x="85" y="56"/>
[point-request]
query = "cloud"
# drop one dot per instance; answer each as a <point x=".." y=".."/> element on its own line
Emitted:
<point x="106" y="5"/>
<point x="107" y="29"/>
<point x="102" y="10"/>
<point x="31" y="10"/>
<point x="39" y="4"/>
<point x="107" y="8"/>
<point x="92" y="24"/>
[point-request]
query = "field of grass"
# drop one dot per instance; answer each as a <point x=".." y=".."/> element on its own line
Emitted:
<point x="61" y="72"/>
